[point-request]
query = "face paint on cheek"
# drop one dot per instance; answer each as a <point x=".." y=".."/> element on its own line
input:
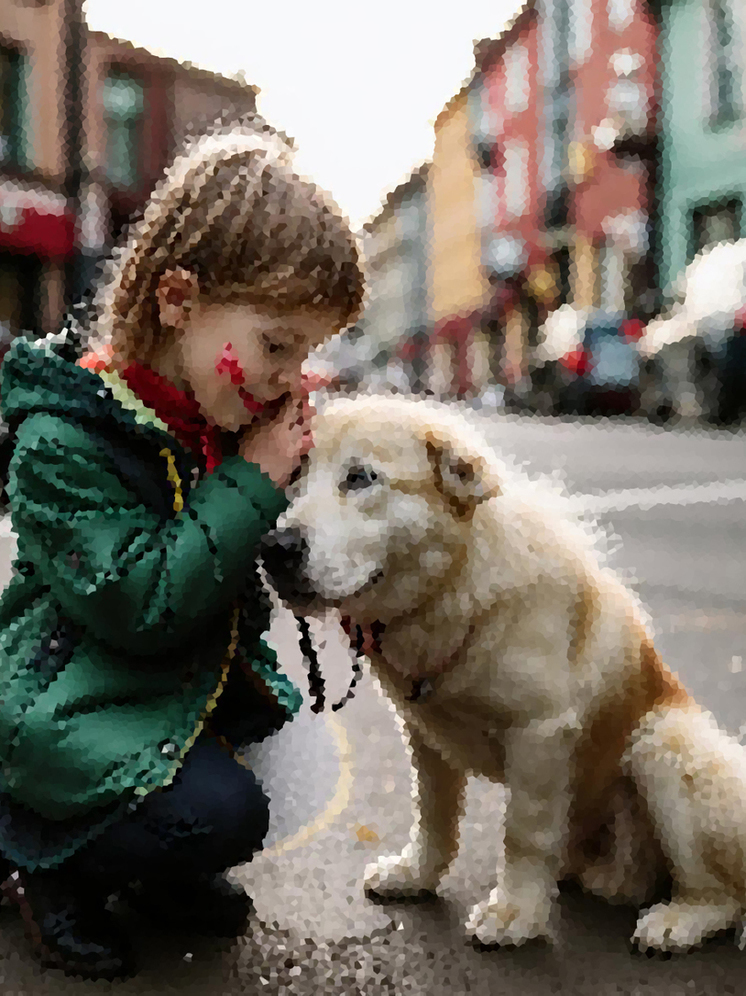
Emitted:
<point x="227" y="365"/>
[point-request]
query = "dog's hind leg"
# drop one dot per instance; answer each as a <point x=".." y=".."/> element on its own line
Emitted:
<point x="631" y="867"/>
<point x="693" y="778"/>
<point x="438" y="793"/>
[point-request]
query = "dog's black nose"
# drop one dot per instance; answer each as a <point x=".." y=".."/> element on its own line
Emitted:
<point x="283" y="553"/>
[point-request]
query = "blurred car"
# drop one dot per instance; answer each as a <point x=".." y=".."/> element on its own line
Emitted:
<point x="557" y="359"/>
<point x="608" y="376"/>
<point x="673" y="369"/>
<point x="694" y="358"/>
<point x="731" y="408"/>
<point x="588" y="364"/>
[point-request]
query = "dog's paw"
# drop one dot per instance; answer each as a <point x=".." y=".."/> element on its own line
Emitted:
<point x="502" y="922"/>
<point x="679" y="926"/>
<point x="399" y="875"/>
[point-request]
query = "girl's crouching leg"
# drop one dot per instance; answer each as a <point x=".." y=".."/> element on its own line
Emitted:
<point x="170" y="854"/>
<point x="213" y="816"/>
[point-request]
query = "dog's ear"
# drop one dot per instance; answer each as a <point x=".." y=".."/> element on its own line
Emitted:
<point x="461" y="476"/>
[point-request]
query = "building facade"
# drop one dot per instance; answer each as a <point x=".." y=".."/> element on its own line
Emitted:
<point x="703" y="128"/>
<point x="458" y="288"/>
<point x="36" y="225"/>
<point x="543" y="190"/>
<point x="139" y="109"/>
<point x="611" y="155"/>
<point x="508" y="128"/>
<point x="136" y="108"/>
<point x="393" y="327"/>
<point x="569" y="165"/>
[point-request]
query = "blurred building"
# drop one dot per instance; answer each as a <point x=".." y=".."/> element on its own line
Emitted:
<point x="507" y="123"/>
<point x="703" y="128"/>
<point x="561" y="144"/>
<point x="458" y="288"/>
<point x="611" y="156"/>
<point x="36" y="226"/>
<point x="135" y="109"/>
<point x="394" y="325"/>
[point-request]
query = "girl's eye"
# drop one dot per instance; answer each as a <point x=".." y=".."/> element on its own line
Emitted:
<point x="274" y="347"/>
<point x="358" y="478"/>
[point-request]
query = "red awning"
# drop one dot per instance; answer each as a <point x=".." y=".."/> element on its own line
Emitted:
<point x="35" y="221"/>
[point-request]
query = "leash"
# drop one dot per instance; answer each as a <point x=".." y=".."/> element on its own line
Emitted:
<point x="316" y="683"/>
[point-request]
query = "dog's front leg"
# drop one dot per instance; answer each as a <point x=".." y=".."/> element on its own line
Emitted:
<point x="438" y="792"/>
<point x="538" y="760"/>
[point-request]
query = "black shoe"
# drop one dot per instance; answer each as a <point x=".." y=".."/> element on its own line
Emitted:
<point x="208" y="904"/>
<point x="71" y="929"/>
<point x="6" y="870"/>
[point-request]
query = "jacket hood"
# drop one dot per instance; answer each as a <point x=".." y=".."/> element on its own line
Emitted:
<point x="43" y="376"/>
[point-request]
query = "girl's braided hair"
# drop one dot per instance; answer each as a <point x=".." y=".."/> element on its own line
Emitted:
<point x="231" y="210"/>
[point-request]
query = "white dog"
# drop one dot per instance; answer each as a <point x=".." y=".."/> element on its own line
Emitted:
<point x="510" y="651"/>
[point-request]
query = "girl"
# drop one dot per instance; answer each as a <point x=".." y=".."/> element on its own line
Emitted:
<point x="143" y="476"/>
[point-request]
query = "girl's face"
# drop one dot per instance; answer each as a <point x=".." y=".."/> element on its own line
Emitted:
<point x="236" y="358"/>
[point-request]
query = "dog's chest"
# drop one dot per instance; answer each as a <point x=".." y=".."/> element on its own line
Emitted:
<point x="458" y="722"/>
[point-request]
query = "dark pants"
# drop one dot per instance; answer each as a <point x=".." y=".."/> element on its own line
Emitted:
<point x="213" y="816"/>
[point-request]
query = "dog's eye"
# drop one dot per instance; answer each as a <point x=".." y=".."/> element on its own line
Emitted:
<point x="358" y="478"/>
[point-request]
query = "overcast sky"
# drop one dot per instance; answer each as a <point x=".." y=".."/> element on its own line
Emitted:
<point x="357" y="84"/>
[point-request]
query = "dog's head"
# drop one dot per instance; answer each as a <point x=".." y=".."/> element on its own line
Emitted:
<point x="382" y="508"/>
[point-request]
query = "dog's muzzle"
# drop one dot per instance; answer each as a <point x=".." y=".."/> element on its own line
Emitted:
<point x="284" y="555"/>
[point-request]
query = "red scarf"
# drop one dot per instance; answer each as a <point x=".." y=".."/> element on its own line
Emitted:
<point x="179" y="410"/>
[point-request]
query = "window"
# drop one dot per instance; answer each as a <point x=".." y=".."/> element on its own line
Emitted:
<point x="487" y="199"/>
<point x="14" y="67"/>
<point x="484" y="121"/>
<point x="621" y="13"/>
<point x="516" y="78"/>
<point x="721" y="87"/>
<point x="516" y="178"/>
<point x="560" y="115"/>
<point x="581" y="30"/>
<point x="559" y="265"/>
<point x="713" y="223"/>
<point x="409" y="218"/>
<point x="613" y="278"/>
<point x="557" y="207"/>
<point x="123" y="110"/>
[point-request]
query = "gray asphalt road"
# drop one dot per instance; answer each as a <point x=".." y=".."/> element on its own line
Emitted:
<point x="339" y="783"/>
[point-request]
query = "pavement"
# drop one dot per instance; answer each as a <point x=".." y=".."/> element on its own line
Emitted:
<point x="674" y="504"/>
